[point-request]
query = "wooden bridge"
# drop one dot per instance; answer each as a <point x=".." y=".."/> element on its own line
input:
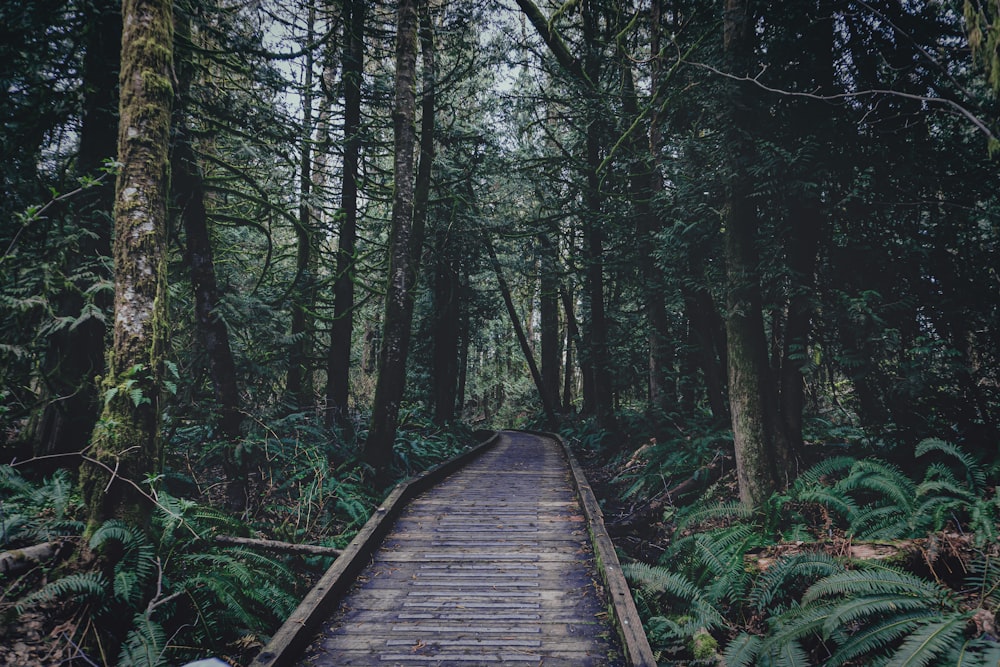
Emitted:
<point x="499" y="556"/>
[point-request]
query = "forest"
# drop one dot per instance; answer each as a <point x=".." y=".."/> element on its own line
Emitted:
<point x="262" y="260"/>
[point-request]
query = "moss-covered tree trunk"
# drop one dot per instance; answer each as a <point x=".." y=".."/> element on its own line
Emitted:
<point x="398" y="299"/>
<point x="125" y="444"/>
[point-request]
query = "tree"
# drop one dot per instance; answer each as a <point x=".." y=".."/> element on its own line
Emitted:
<point x="399" y="298"/>
<point x="760" y="466"/>
<point x="75" y="354"/>
<point x="339" y="357"/>
<point x="188" y="185"/>
<point x="126" y="439"/>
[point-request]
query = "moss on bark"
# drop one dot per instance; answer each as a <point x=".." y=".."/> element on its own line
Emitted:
<point x="125" y="446"/>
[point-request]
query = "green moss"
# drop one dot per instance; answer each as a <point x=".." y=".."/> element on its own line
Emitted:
<point x="704" y="646"/>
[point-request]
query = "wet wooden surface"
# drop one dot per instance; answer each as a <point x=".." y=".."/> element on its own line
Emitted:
<point x="493" y="565"/>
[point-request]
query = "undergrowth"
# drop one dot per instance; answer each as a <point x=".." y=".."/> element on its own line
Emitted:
<point x="778" y="586"/>
<point x="168" y="593"/>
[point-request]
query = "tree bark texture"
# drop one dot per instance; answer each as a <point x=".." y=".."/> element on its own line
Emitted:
<point x="446" y="330"/>
<point x="126" y="438"/>
<point x="548" y="305"/>
<point x="399" y="300"/>
<point x="341" y="333"/>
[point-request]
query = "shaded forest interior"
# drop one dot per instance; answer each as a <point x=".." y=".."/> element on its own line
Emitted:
<point x="261" y="260"/>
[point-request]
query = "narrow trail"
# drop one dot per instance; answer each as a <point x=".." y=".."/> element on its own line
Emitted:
<point x="494" y="564"/>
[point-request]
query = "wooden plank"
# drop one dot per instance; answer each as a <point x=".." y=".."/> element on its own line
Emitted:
<point x="295" y="633"/>
<point x="627" y="621"/>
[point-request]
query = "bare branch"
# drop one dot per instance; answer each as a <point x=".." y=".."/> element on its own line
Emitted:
<point x="871" y="92"/>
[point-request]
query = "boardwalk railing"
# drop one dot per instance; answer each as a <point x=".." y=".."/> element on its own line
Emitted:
<point x="483" y="574"/>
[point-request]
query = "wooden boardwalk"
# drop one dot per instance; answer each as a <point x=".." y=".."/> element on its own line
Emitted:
<point x="494" y="564"/>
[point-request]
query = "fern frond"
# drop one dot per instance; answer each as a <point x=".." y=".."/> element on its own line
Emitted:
<point x="656" y="579"/>
<point x="975" y="474"/>
<point x="787" y="573"/>
<point x="699" y="514"/>
<point x="886" y="522"/>
<point x="138" y="564"/>
<point x="930" y="641"/>
<point x="984" y="578"/>
<point x="878" y="580"/>
<point x="881" y="477"/>
<point x="977" y="653"/>
<point x="860" y="609"/>
<point x="87" y="585"/>
<point x="789" y="654"/>
<point x="832" y="498"/>
<point x="144" y="645"/>
<point x="742" y="651"/>
<point x="878" y="637"/>
<point x="815" y="475"/>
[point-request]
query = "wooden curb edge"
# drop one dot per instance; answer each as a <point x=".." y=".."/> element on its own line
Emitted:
<point x="297" y="631"/>
<point x="626" y="617"/>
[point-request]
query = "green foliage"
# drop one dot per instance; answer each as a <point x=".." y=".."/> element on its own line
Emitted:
<point x="32" y="513"/>
<point x="172" y="587"/>
<point x="813" y="608"/>
<point x="876" y="500"/>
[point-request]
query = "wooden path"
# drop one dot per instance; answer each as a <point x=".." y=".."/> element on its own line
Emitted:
<point x="495" y="564"/>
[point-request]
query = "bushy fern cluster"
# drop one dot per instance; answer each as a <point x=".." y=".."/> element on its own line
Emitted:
<point x="876" y="500"/>
<point x="31" y="513"/>
<point x="171" y="589"/>
<point x="810" y="608"/>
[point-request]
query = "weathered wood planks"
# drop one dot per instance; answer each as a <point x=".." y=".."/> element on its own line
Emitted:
<point x="495" y="564"/>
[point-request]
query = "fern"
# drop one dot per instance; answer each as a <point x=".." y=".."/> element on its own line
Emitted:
<point x="144" y="645"/>
<point x="138" y="564"/>
<point x="878" y="580"/>
<point x="929" y="641"/>
<point x="742" y="651"/>
<point x="975" y="475"/>
<point x="977" y="653"/>
<point x="82" y="585"/>
<point x="785" y="576"/>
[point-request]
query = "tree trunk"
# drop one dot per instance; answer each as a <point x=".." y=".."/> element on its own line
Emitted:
<point x="445" y="331"/>
<point x="399" y="299"/>
<point x="75" y="355"/>
<point x="339" y="360"/>
<point x="572" y="340"/>
<point x="644" y="185"/>
<point x="750" y="392"/>
<point x="522" y="340"/>
<point x="422" y="189"/>
<point x="299" y="381"/>
<point x="709" y="332"/>
<point x="600" y="363"/>
<point x="126" y="438"/>
<point x="549" y="322"/>
<point x="189" y="197"/>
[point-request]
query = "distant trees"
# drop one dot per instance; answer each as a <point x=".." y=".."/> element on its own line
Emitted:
<point x="769" y="215"/>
